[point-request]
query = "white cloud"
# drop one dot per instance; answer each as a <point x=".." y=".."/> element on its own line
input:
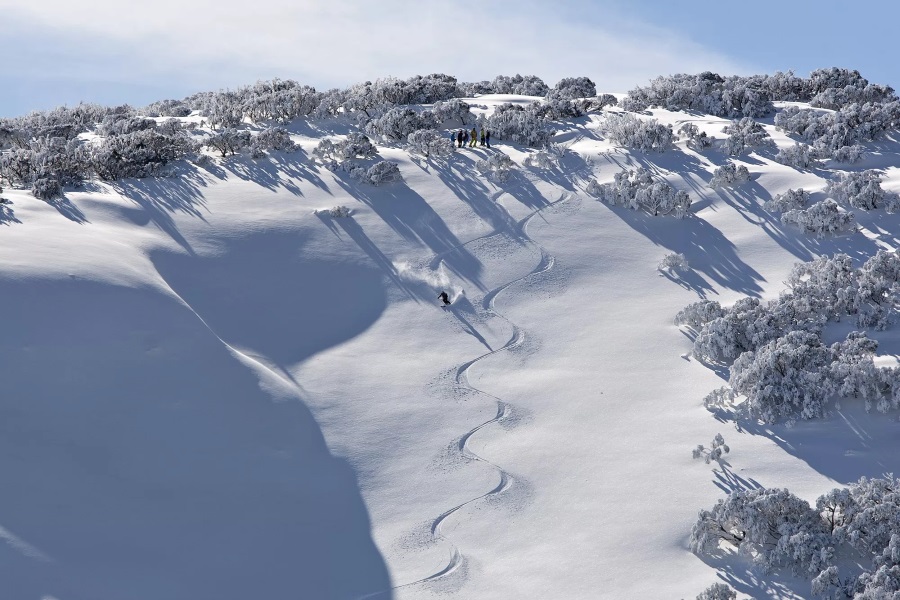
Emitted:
<point x="340" y="42"/>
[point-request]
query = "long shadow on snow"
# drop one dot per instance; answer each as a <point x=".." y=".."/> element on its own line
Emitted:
<point x="275" y="170"/>
<point x="144" y="460"/>
<point x="407" y="213"/>
<point x="264" y="295"/>
<point x="7" y="215"/>
<point x="708" y="251"/>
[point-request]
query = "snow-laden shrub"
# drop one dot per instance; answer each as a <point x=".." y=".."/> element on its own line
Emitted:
<point x="849" y="154"/>
<point x="380" y="173"/>
<point x="46" y="188"/>
<point x="716" y="449"/>
<point x="398" y="123"/>
<point x="167" y="108"/>
<point x="800" y="156"/>
<point x="647" y="135"/>
<point x="430" y="144"/>
<point x="860" y="189"/>
<point x="355" y="145"/>
<point x="717" y="591"/>
<point x="674" y="262"/>
<point x="138" y="154"/>
<point x="699" y="313"/>
<point x="452" y="110"/>
<point x="745" y="135"/>
<point x="498" y="166"/>
<point x="121" y="124"/>
<point x="828" y="132"/>
<point x="523" y="85"/>
<point x="789" y="200"/>
<point x="729" y="174"/>
<point x="572" y="88"/>
<point x="708" y="93"/>
<point x="697" y="140"/>
<point x="273" y="138"/>
<point x="638" y="190"/>
<point x="229" y="141"/>
<point x="542" y="159"/>
<point x="337" y="212"/>
<point x="821" y="218"/>
<point x="594" y="188"/>
<point x="519" y="124"/>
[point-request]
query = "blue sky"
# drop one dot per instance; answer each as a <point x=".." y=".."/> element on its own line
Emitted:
<point x="62" y="52"/>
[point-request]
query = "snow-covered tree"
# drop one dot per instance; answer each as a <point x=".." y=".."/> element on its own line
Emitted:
<point x="524" y="85"/>
<point x="716" y="449"/>
<point x="821" y="218"/>
<point x="744" y="135"/>
<point x="849" y="154"/>
<point x="452" y="110"/>
<point x="572" y="88"/>
<point x="717" y="591"/>
<point x="729" y="174"/>
<point x="800" y="156"/>
<point x="638" y="190"/>
<point x="673" y="262"/>
<point x="46" y="188"/>
<point x="699" y="313"/>
<point x="859" y="189"/>
<point x="519" y="124"/>
<point x="273" y="138"/>
<point x="789" y="200"/>
<point x="430" y="144"/>
<point x="697" y="140"/>
<point x="229" y="141"/>
<point x="382" y="172"/>
<point x="647" y="135"/>
<point x="498" y="167"/>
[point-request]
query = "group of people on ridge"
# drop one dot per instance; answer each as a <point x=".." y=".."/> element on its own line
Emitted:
<point x="463" y="138"/>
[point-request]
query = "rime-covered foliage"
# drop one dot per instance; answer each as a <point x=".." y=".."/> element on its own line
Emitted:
<point x="272" y="138"/>
<point x="451" y="111"/>
<point x="834" y="133"/>
<point x="430" y="144"/>
<point x="639" y="191"/>
<point x="716" y="449"/>
<point x="800" y="156"/>
<point x="861" y="190"/>
<point x="729" y="174"/>
<point x="520" y="124"/>
<point x="229" y="141"/>
<point x="498" y="167"/>
<point x="697" y="140"/>
<point x="646" y="135"/>
<point x="382" y="172"/>
<point x="789" y="200"/>
<point x="822" y="218"/>
<point x="717" y="591"/>
<point x="778" y="362"/>
<point x="523" y="85"/>
<point x="572" y="88"/>
<point x="709" y="93"/>
<point x="355" y="145"/>
<point x="674" y="262"/>
<point x="336" y="212"/>
<point x="745" y="135"/>
<point x="397" y="123"/>
<point x="849" y="154"/>
<point x="855" y="529"/>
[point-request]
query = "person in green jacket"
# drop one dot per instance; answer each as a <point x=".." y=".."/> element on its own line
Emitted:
<point x="474" y="141"/>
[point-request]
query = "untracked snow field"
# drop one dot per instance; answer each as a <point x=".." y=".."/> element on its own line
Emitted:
<point x="212" y="390"/>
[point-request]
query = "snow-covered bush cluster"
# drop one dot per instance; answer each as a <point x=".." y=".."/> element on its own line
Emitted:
<point x="716" y="449"/>
<point x="639" y="191"/>
<point x="697" y="140"/>
<point x="498" y="167"/>
<point x="824" y="217"/>
<point x="430" y="144"/>
<point x="572" y="88"/>
<point x="337" y="212"/>
<point x="788" y="200"/>
<point x="542" y="159"/>
<point x="524" y="125"/>
<point x="717" y="591"/>
<point x="229" y="141"/>
<point x="736" y="96"/>
<point x="272" y="138"/>
<point x="384" y="171"/>
<point x="744" y="135"/>
<point x="647" y="135"/>
<point x="836" y="133"/>
<point x="800" y="156"/>
<point x="398" y="123"/>
<point x="778" y="362"/>
<point x="861" y="190"/>
<point x="847" y="545"/>
<point x="674" y="262"/>
<point x="729" y="174"/>
<point x="523" y="85"/>
<point x="354" y="145"/>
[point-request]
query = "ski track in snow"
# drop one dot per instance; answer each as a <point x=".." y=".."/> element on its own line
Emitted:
<point x="456" y="567"/>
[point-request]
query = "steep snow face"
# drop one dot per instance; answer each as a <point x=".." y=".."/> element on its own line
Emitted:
<point x="214" y="388"/>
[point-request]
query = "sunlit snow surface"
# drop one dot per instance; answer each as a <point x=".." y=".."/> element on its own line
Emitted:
<point x="212" y="391"/>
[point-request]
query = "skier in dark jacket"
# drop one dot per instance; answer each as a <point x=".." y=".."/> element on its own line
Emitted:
<point x="459" y="138"/>
<point x="487" y="137"/>
<point x="446" y="299"/>
<point x="465" y="137"/>
<point x="482" y="137"/>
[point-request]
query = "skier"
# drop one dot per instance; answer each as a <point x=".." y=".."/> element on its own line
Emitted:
<point x="474" y="138"/>
<point x="487" y="137"/>
<point x="465" y="137"/>
<point x="443" y="296"/>
<point x="482" y="137"/>
<point x="459" y="138"/>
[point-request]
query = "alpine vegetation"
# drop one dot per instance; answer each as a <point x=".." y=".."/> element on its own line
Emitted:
<point x="384" y="171"/>
<point x="822" y="218"/>
<point x="716" y="449"/>
<point x="523" y="125"/>
<point x="430" y="144"/>
<point x="862" y="190"/>
<point x="729" y="174"/>
<point x="717" y="591"/>
<point x="639" y="191"/>
<point x="745" y="135"/>
<point x="778" y="362"/>
<point x="800" y="156"/>
<point x="674" y="262"/>
<point x="847" y="545"/>
<point x="498" y="167"/>
<point x="789" y="200"/>
<point x="697" y="140"/>
<point x="354" y="146"/>
<point x="646" y="135"/>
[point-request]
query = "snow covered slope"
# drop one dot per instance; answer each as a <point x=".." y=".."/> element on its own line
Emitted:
<point x="211" y="390"/>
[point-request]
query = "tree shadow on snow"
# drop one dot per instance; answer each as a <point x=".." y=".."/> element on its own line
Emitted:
<point x="7" y="215"/>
